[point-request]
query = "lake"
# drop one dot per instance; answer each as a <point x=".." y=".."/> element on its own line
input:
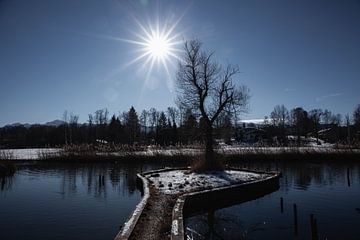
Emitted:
<point x="329" y="191"/>
<point x="93" y="200"/>
<point x="68" y="201"/>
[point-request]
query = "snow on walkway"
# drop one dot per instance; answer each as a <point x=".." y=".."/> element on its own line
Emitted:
<point x="181" y="181"/>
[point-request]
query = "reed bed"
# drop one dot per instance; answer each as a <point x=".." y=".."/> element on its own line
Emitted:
<point x="190" y="154"/>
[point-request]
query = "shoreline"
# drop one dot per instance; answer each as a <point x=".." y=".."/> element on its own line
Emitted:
<point x="186" y="155"/>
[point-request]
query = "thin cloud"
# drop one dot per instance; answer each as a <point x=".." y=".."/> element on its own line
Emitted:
<point x="324" y="97"/>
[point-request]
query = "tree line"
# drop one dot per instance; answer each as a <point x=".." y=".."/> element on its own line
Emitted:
<point x="315" y="122"/>
<point x="179" y="126"/>
<point x="149" y="127"/>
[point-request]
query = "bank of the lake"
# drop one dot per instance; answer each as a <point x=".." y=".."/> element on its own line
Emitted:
<point x="181" y="155"/>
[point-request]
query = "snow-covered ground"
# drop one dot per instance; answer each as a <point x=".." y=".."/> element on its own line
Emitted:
<point x="278" y="150"/>
<point x="38" y="153"/>
<point x="28" y="153"/>
<point x="181" y="181"/>
<point x="155" y="152"/>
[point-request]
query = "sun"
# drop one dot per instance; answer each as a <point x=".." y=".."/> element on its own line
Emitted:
<point x="159" y="47"/>
<point x="156" y="45"/>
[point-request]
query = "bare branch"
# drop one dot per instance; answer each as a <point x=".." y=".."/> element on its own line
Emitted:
<point x="204" y="87"/>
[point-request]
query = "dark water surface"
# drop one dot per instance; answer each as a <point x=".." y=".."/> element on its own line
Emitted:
<point x="329" y="191"/>
<point x="67" y="201"/>
<point x="93" y="200"/>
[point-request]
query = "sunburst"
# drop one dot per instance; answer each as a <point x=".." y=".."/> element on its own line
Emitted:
<point x="158" y="45"/>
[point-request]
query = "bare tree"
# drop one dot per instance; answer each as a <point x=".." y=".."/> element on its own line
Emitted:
<point x="173" y="114"/>
<point x="65" y="119"/>
<point x="90" y="122"/>
<point x="208" y="89"/>
<point x="144" y="121"/>
<point x="280" y="117"/>
<point x="326" y="117"/>
<point x="336" y="119"/>
<point x="153" y="116"/>
<point x="356" y="117"/>
<point x="73" y="122"/>
<point x="315" y="116"/>
<point x="347" y="119"/>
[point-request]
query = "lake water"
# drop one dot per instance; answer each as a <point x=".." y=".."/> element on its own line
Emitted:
<point x="325" y="190"/>
<point x="67" y="201"/>
<point x="93" y="200"/>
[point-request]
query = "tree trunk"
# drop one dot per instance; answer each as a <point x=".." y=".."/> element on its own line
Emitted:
<point x="211" y="163"/>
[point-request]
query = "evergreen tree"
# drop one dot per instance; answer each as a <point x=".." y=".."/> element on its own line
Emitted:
<point x="132" y="126"/>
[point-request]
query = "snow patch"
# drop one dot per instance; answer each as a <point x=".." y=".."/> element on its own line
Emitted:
<point x="182" y="181"/>
<point x="29" y="153"/>
<point x="131" y="222"/>
<point x="175" y="227"/>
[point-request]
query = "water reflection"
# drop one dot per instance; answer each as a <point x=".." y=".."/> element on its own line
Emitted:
<point x="59" y="200"/>
<point x="216" y="225"/>
<point x="97" y="178"/>
<point x="304" y="174"/>
<point x="314" y="200"/>
<point x="5" y="182"/>
<point x="91" y="201"/>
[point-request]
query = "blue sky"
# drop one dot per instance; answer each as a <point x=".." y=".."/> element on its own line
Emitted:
<point x="67" y="55"/>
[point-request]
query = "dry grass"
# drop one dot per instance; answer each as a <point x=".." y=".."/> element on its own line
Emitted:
<point x="6" y="155"/>
<point x="91" y="155"/>
<point x="190" y="156"/>
<point x="295" y="155"/>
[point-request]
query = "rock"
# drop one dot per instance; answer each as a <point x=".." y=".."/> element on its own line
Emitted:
<point x="155" y="175"/>
<point x="161" y="185"/>
<point x="170" y="185"/>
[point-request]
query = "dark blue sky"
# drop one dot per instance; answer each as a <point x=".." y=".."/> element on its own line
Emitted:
<point x="63" y="55"/>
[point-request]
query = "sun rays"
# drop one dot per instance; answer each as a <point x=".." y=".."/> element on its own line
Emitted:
<point x="156" y="46"/>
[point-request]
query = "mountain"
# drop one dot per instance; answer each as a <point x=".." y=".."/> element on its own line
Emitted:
<point x="26" y="125"/>
<point x="55" y="123"/>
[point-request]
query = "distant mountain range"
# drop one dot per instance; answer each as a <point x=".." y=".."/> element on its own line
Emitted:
<point x="26" y="125"/>
<point x="54" y="123"/>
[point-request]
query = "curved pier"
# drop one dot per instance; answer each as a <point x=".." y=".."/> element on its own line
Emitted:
<point x="156" y="203"/>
